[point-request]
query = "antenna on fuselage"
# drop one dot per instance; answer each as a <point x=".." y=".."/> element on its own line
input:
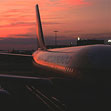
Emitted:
<point x="40" y="37"/>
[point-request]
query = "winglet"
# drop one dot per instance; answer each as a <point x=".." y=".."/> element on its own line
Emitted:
<point x="40" y="37"/>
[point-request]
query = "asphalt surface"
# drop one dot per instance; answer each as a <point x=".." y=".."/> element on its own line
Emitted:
<point x="52" y="94"/>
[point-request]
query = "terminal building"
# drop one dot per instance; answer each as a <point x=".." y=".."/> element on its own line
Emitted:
<point x="81" y="42"/>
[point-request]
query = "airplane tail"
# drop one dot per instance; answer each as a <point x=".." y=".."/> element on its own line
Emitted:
<point x="40" y="37"/>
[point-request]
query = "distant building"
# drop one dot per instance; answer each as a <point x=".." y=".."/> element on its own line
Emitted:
<point x="89" y="42"/>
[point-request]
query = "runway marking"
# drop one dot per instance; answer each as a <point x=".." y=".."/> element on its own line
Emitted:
<point x="44" y="99"/>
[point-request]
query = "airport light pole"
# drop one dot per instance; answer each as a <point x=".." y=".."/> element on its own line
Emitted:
<point x="56" y="37"/>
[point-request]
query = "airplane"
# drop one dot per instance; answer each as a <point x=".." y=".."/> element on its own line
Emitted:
<point x="88" y="64"/>
<point x="74" y="62"/>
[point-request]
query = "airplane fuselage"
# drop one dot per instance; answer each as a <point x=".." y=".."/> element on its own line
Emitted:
<point x="76" y="61"/>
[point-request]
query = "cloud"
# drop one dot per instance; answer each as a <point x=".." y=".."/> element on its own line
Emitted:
<point x="16" y="40"/>
<point x="74" y="2"/>
<point x="18" y="43"/>
<point x="18" y="16"/>
<point x="25" y="24"/>
<point x="72" y="31"/>
<point x="52" y="18"/>
<point x="23" y="35"/>
<point x="62" y="3"/>
<point x="14" y="11"/>
<point x="18" y="24"/>
<point x="51" y="23"/>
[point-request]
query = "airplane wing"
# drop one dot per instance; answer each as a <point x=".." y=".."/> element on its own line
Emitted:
<point x="17" y="64"/>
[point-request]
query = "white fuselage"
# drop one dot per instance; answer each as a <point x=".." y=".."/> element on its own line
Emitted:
<point x="74" y="61"/>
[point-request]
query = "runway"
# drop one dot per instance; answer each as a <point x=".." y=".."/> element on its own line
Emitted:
<point x="49" y="94"/>
<point x="53" y="94"/>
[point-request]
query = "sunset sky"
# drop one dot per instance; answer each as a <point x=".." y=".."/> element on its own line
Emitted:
<point x="72" y="18"/>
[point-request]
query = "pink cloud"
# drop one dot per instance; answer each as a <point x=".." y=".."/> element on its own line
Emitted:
<point x="62" y="2"/>
<point x="21" y="13"/>
<point x="74" y="2"/>
<point x="18" y="24"/>
<point x="60" y="5"/>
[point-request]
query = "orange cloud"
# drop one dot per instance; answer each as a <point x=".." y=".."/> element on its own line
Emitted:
<point x="75" y="2"/>
<point x="18" y="16"/>
<point x="59" y="5"/>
